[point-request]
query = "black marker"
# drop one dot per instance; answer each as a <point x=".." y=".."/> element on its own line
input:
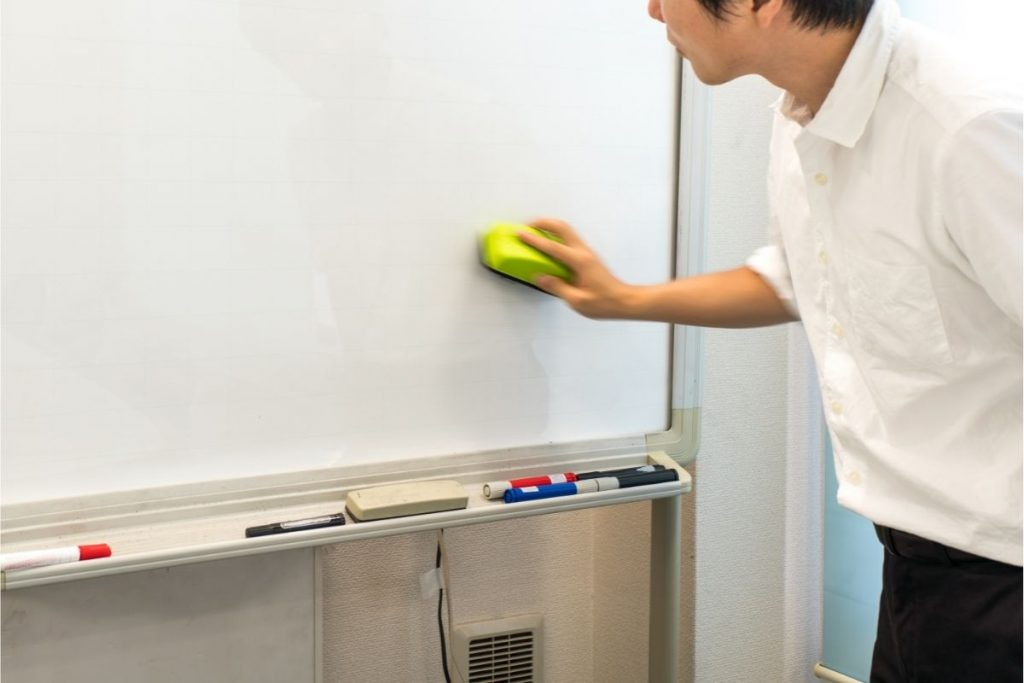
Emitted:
<point x="644" y="478"/>
<point x="617" y="473"/>
<point x="296" y="525"/>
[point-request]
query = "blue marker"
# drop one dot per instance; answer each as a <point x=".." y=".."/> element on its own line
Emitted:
<point x="569" y="488"/>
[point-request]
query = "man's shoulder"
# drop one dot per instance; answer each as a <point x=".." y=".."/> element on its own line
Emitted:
<point x="945" y="81"/>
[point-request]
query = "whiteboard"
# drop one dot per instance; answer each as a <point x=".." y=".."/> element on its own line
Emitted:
<point x="239" y="238"/>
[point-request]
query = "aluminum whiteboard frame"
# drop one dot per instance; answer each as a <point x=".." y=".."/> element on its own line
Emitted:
<point x="677" y="445"/>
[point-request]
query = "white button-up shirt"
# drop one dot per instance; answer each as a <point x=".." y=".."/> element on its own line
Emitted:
<point x="896" y="237"/>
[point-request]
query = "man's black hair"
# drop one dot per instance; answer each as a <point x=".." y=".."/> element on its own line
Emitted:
<point x="809" y="14"/>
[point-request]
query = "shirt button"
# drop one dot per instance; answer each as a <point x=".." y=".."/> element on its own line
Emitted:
<point x="837" y="330"/>
<point x="821" y="178"/>
<point x="853" y="478"/>
<point x="837" y="407"/>
<point x="823" y="257"/>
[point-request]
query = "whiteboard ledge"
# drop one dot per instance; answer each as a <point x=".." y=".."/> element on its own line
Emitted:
<point x="206" y="526"/>
<point x="95" y="513"/>
<point x="475" y="514"/>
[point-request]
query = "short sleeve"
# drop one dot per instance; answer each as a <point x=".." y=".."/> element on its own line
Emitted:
<point x="980" y="195"/>
<point x="770" y="263"/>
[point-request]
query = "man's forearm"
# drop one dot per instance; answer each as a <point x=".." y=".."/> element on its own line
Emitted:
<point x="732" y="298"/>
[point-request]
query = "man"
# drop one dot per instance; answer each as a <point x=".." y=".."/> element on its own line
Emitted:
<point x="896" y="239"/>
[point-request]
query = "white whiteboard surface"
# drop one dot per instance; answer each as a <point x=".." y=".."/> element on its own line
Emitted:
<point x="239" y="237"/>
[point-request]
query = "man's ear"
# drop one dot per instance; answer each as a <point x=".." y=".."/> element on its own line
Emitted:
<point x="766" y="12"/>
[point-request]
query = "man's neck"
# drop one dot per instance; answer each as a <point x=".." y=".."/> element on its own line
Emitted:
<point x="810" y="66"/>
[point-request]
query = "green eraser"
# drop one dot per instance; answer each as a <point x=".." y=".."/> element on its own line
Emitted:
<point x="502" y="251"/>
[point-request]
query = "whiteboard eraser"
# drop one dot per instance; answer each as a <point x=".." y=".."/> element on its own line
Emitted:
<point x="503" y="252"/>
<point x="410" y="498"/>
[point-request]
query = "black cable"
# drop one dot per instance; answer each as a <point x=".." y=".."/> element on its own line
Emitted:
<point x="440" y="621"/>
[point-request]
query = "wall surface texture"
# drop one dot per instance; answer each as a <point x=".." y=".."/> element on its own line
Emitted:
<point x="248" y="619"/>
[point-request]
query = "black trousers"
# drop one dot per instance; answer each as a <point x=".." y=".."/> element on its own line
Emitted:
<point x="946" y="616"/>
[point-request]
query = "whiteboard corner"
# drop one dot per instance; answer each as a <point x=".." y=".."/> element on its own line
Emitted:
<point x="681" y="440"/>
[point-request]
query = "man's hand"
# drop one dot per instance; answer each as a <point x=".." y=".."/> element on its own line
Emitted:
<point x="730" y="298"/>
<point x="594" y="291"/>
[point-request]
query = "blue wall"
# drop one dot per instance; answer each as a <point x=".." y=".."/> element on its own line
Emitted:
<point x="853" y="582"/>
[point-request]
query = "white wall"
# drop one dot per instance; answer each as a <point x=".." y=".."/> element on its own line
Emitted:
<point x="989" y="28"/>
<point x="759" y="483"/>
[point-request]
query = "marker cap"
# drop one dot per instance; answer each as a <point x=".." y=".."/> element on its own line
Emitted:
<point x="588" y="486"/>
<point x="495" y="489"/>
<point x="93" y="552"/>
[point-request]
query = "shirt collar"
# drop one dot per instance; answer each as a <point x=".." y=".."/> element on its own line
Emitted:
<point x="844" y="114"/>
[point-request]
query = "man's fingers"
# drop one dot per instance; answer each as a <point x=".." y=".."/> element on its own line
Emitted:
<point x="560" y="229"/>
<point x="555" y="250"/>
<point x="553" y="285"/>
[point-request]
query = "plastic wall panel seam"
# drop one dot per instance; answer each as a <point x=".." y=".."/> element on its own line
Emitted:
<point x="318" y="614"/>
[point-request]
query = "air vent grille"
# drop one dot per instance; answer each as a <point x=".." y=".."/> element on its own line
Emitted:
<point x="507" y="657"/>
<point x="503" y="651"/>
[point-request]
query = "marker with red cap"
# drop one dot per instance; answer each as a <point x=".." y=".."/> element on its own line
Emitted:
<point x="496" y="489"/>
<point x="48" y="556"/>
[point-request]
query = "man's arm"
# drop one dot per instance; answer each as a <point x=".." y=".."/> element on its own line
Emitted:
<point x="732" y="298"/>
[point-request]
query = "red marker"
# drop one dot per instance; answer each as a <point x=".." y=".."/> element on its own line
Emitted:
<point x="48" y="556"/>
<point x="496" y="489"/>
